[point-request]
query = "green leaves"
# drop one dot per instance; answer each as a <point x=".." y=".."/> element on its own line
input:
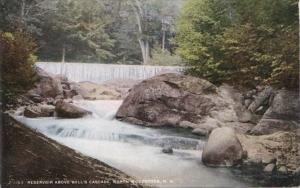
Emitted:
<point x="85" y="23"/>
<point x="240" y="41"/>
<point x="17" y="64"/>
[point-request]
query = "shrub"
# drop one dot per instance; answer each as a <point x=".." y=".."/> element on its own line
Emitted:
<point x="164" y="58"/>
<point x="17" y="65"/>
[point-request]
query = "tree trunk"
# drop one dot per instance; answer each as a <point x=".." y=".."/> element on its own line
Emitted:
<point x="63" y="54"/>
<point x="23" y="6"/>
<point x="144" y="43"/>
<point x="163" y="41"/>
<point x="22" y="15"/>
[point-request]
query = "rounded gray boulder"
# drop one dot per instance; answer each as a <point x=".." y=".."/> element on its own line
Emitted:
<point x="223" y="148"/>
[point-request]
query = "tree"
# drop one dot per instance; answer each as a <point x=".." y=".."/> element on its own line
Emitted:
<point x="82" y="29"/>
<point x="142" y="12"/>
<point x="17" y="64"/>
<point x="25" y="15"/>
<point x="154" y="19"/>
<point x="241" y="41"/>
<point x="200" y="23"/>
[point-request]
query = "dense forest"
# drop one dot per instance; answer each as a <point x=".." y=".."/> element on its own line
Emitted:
<point x="235" y="41"/>
<point x="104" y="31"/>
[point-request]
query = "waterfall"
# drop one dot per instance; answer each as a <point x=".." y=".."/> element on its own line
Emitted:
<point x="100" y="73"/>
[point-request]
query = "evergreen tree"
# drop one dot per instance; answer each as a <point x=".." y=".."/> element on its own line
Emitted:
<point x="246" y="42"/>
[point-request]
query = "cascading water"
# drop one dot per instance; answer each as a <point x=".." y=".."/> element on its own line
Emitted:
<point x="100" y="73"/>
<point x="133" y="149"/>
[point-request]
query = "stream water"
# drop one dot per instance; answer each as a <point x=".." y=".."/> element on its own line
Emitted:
<point x="136" y="150"/>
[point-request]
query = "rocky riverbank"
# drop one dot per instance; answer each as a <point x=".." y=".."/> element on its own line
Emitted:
<point x="53" y="96"/>
<point x="275" y="156"/>
<point x="233" y="117"/>
<point x="30" y="156"/>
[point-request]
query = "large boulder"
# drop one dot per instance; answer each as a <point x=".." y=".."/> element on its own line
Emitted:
<point x="67" y="110"/>
<point x="177" y="100"/>
<point x="223" y="148"/>
<point x="47" y="86"/>
<point x="282" y="115"/>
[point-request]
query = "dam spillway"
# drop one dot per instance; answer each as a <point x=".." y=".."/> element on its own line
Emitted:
<point x="100" y="73"/>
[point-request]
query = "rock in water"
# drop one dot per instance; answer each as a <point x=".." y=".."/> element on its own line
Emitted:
<point x="270" y="168"/>
<point x="170" y="99"/>
<point x="67" y="110"/>
<point x="200" y="132"/>
<point x="167" y="150"/>
<point x="223" y="148"/>
<point x="283" y="114"/>
<point x="39" y="111"/>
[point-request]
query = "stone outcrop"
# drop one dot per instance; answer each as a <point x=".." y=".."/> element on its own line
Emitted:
<point x="46" y="87"/>
<point x="41" y="110"/>
<point x="272" y="153"/>
<point x="66" y="110"/>
<point x="223" y="148"/>
<point x="30" y="156"/>
<point x="282" y="115"/>
<point x="262" y="101"/>
<point x="180" y="101"/>
<point x="50" y="89"/>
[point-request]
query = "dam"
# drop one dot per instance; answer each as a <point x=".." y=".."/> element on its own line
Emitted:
<point x="100" y="73"/>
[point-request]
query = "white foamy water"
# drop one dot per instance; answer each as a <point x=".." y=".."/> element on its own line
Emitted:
<point x="100" y="73"/>
<point x="135" y="150"/>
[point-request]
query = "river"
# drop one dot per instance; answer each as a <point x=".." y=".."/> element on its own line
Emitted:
<point x="136" y="150"/>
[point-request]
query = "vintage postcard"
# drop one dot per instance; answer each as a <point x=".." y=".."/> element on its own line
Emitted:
<point x="149" y="93"/>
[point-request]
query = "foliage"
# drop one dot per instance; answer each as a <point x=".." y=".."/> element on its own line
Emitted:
<point x="17" y="64"/>
<point x="77" y="30"/>
<point x="164" y="58"/>
<point x="150" y="22"/>
<point x="25" y="15"/>
<point x="245" y="42"/>
<point x="102" y="31"/>
<point x="285" y="68"/>
<point x="200" y="23"/>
